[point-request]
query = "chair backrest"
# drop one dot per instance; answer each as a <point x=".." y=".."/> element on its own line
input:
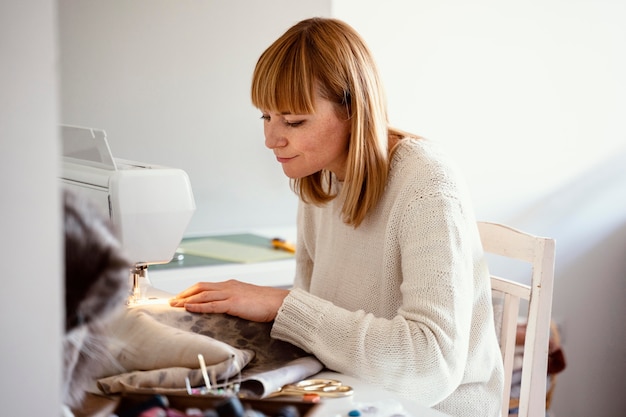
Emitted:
<point x="539" y="253"/>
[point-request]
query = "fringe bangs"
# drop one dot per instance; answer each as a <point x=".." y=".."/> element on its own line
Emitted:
<point x="283" y="79"/>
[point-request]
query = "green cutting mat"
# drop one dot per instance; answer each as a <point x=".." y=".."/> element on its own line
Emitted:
<point x="215" y="250"/>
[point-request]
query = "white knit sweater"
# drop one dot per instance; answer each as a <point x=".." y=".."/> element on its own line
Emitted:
<point x="403" y="300"/>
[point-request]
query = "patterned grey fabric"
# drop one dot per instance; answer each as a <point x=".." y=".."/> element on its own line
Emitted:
<point x="155" y="347"/>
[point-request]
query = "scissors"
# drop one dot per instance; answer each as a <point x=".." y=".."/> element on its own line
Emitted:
<point x="320" y="387"/>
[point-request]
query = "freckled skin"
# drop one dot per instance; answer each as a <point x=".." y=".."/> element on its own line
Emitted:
<point x="305" y="144"/>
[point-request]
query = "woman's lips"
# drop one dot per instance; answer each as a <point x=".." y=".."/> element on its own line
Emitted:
<point x="282" y="160"/>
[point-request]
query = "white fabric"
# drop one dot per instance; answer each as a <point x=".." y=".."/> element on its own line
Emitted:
<point x="404" y="300"/>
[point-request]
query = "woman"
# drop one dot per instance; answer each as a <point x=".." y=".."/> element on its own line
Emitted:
<point x="391" y="285"/>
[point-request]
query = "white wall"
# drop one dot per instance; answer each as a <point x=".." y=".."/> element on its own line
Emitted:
<point x="530" y="98"/>
<point x="534" y="86"/>
<point x="169" y="81"/>
<point x="30" y="233"/>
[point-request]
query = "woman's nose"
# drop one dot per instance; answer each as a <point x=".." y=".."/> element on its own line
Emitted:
<point x="274" y="136"/>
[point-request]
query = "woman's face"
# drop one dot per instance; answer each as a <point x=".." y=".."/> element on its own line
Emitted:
<point x="307" y="143"/>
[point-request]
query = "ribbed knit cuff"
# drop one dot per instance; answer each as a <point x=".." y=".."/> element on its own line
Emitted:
<point x="299" y="318"/>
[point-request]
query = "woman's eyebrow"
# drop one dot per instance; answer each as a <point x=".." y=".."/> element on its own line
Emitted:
<point x="288" y="113"/>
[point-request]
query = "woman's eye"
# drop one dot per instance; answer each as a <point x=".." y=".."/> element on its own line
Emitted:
<point x="294" y="124"/>
<point x="267" y="118"/>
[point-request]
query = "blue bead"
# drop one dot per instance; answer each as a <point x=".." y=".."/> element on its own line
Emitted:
<point x="354" y="413"/>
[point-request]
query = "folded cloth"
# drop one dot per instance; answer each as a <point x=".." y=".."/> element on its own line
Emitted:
<point x="143" y="340"/>
<point x="260" y="384"/>
<point x="156" y="347"/>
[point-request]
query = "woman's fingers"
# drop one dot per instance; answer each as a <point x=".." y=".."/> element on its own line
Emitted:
<point x="248" y="301"/>
<point x="201" y="291"/>
<point x="198" y="288"/>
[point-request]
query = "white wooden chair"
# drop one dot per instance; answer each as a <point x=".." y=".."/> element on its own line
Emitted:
<point x="539" y="253"/>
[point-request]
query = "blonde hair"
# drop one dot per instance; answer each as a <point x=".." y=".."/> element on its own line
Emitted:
<point x="328" y="57"/>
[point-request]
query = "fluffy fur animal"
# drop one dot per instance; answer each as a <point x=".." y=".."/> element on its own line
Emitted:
<point x="96" y="286"/>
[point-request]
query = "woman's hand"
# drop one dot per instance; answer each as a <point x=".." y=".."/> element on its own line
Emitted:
<point x="248" y="301"/>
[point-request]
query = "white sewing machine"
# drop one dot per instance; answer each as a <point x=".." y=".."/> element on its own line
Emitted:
<point x="150" y="205"/>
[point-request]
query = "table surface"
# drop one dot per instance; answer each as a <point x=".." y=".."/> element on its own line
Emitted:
<point x="372" y="401"/>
